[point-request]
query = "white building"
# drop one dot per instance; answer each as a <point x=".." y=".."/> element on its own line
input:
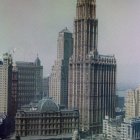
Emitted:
<point x="5" y="83"/>
<point x="111" y="128"/>
<point x="116" y="129"/>
<point x="132" y="103"/>
<point x="58" y="87"/>
<point x="130" y="129"/>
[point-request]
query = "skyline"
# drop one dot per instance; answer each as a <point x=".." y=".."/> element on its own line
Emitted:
<point x="30" y="27"/>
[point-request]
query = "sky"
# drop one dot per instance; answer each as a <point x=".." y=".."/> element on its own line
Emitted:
<point x="32" y="27"/>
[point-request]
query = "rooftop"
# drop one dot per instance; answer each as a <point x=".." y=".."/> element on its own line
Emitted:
<point x="44" y="105"/>
<point x="65" y="31"/>
<point x="47" y="105"/>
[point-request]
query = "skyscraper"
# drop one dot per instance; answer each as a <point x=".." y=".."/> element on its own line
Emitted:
<point x="5" y="83"/>
<point x="30" y="78"/>
<point x="92" y="77"/>
<point x="59" y="77"/>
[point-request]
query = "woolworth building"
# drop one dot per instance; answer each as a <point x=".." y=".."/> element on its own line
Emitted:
<point x="92" y="77"/>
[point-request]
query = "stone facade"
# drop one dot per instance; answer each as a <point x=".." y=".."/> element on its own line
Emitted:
<point x="46" y="119"/>
<point x="30" y="81"/>
<point x="92" y="77"/>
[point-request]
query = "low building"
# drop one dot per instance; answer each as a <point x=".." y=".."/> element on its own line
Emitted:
<point x="45" y="118"/>
<point x="118" y="129"/>
<point x="111" y="127"/>
<point x="130" y="129"/>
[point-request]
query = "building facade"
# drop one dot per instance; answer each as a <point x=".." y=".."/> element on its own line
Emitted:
<point x="112" y="127"/>
<point x="119" y="129"/>
<point x="5" y="84"/>
<point x="14" y="96"/>
<point x="46" y="86"/>
<point x="132" y="103"/>
<point x="130" y="129"/>
<point x="30" y="80"/>
<point x="46" y="119"/>
<point x="6" y="125"/>
<point x="59" y="76"/>
<point x="92" y="77"/>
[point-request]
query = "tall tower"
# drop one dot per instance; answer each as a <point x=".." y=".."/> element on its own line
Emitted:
<point x="5" y="84"/>
<point x="92" y="77"/>
<point x="86" y="29"/>
<point x="59" y="77"/>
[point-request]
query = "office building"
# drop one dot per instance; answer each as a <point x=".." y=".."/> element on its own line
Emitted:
<point x="45" y="118"/>
<point x="130" y="129"/>
<point x="5" y="84"/>
<point x="14" y="96"/>
<point x="59" y="76"/>
<point x="30" y="78"/>
<point x="112" y="127"/>
<point x="132" y="103"/>
<point x="6" y="125"/>
<point x="92" y="77"/>
<point x="46" y="86"/>
<point x="119" y="129"/>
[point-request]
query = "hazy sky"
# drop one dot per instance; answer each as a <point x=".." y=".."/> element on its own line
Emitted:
<point x="32" y="27"/>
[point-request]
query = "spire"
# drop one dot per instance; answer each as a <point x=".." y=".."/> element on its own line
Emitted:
<point x="86" y="9"/>
<point x="37" y="61"/>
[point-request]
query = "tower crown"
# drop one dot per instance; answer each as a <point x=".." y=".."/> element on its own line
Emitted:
<point x="86" y="9"/>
